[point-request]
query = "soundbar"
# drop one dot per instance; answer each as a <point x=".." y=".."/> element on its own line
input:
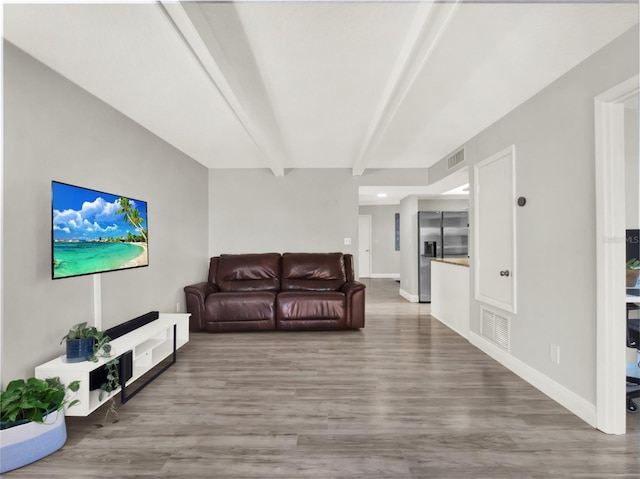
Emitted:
<point x="128" y="326"/>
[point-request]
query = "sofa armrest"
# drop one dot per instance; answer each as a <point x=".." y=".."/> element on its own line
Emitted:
<point x="354" y="293"/>
<point x="352" y="287"/>
<point x="196" y="295"/>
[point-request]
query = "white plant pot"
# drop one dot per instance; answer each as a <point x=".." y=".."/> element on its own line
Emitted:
<point x="26" y="443"/>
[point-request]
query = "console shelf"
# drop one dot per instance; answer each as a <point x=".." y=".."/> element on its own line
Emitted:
<point x="150" y="345"/>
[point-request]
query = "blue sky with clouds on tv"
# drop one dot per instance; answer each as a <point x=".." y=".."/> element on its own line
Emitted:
<point x="82" y="214"/>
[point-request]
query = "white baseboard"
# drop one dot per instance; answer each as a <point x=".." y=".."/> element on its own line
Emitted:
<point x="412" y="298"/>
<point x="385" y="275"/>
<point x="563" y="396"/>
<point x="451" y="327"/>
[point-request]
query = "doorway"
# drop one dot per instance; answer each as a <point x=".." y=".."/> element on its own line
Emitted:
<point x="364" y="246"/>
<point x="610" y="256"/>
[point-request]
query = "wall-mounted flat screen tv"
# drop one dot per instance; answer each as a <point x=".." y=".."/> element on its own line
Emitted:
<point x="95" y="232"/>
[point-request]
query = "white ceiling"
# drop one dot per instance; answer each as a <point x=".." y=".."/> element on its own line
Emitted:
<point x="360" y="84"/>
<point x="368" y="195"/>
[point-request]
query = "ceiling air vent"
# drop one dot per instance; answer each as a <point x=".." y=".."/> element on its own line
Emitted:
<point x="495" y="328"/>
<point x="455" y="159"/>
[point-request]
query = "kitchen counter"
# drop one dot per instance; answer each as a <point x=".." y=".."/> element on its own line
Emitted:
<point x="456" y="261"/>
<point x="450" y="293"/>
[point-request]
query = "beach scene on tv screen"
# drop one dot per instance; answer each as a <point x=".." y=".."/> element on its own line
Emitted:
<point x="94" y="232"/>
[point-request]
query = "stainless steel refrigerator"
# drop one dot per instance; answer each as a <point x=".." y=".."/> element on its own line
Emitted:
<point x="441" y="234"/>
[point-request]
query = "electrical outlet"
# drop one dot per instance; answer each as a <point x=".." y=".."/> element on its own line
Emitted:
<point x="554" y="353"/>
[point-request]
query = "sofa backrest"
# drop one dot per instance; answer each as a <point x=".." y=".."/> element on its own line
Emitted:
<point x="246" y="272"/>
<point x="313" y="272"/>
<point x="348" y="267"/>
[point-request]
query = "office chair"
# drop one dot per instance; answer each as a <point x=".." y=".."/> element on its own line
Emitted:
<point x="633" y="341"/>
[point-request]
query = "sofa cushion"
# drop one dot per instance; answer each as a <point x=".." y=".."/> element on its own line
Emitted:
<point x="248" y="272"/>
<point x="303" y="305"/>
<point x="248" y="306"/>
<point x="313" y="272"/>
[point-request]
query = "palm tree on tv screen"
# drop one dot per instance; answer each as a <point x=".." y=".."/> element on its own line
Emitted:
<point x="131" y="216"/>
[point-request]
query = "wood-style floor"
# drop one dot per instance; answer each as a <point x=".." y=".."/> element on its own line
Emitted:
<point x="403" y="398"/>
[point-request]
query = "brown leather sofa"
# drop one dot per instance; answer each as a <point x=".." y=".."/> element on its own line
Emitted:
<point x="292" y="291"/>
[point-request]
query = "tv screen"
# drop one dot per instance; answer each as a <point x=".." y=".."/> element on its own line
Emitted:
<point x="95" y="232"/>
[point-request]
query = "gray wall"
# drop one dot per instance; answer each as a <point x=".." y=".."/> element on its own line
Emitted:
<point x="306" y="210"/>
<point x="409" y="246"/>
<point x="310" y="210"/>
<point x="54" y="130"/>
<point x="385" y="260"/>
<point x="553" y="135"/>
<point x="440" y="170"/>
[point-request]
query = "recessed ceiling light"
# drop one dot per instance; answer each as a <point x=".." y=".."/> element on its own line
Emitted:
<point x="381" y="195"/>
<point x="460" y="190"/>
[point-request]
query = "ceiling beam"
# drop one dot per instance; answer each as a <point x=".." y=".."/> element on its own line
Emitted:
<point x="425" y="32"/>
<point x="183" y="24"/>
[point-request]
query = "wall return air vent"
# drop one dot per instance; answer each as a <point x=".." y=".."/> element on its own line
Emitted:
<point x="495" y="328"/>
<point x="455" y="159"/>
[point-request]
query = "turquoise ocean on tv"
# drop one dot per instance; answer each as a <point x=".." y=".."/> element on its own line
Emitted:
<point x="74" y="258"/>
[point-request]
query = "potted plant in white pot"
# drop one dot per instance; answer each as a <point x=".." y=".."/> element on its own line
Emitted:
<point x="32" y="423"/>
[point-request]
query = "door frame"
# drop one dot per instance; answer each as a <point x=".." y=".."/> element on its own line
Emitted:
<point x="370" y="243"/>
<point x="477" y="259"/>
<point x="610" y="256"/>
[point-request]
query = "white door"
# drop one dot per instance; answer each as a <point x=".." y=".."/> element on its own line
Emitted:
<point x="364" y="246"/>
<point x="494" y="227"/>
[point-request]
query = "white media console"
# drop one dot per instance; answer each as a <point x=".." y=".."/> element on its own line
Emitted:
<point x="149" y="345"/>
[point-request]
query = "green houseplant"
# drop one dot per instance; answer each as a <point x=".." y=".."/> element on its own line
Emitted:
<point x="85" y="342"/>
<point x="100" y="348"/>
<point x="33" y="400"/>
<point x="32" y="423"/>
<point x="633" y="271"/>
